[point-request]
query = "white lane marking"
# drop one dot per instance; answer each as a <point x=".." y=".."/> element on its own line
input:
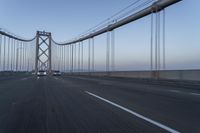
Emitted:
<point x="197" y="94"/>
<point x="26" y="78"/>
<point x="176" y="91"/>
<point x="135" y="114"/>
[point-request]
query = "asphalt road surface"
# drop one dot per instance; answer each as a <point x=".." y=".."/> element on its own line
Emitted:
<point x="78" y="104"/>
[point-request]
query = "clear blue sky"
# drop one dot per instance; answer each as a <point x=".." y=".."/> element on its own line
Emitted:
<point x="68" y="18"/>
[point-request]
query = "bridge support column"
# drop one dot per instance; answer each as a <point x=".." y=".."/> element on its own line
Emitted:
<point x="43" y="52"/>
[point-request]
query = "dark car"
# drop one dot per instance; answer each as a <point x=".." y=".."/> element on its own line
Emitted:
<point x="56" y="73"/>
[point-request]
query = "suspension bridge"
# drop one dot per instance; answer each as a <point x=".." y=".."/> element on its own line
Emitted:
<point x="85" y="99"/>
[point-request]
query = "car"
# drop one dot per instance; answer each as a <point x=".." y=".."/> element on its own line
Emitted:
<point x="41" y="73"/>
<point x="56" y="73"/>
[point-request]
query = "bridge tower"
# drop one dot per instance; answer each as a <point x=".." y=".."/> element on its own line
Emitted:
<point x="43" y="52"/>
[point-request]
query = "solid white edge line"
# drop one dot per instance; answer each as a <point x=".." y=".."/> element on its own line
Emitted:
<point x="135" y="114"/>
<point x="197" y="94"/>
<point x="176" y="91"/>
<point x="26" y="78"/>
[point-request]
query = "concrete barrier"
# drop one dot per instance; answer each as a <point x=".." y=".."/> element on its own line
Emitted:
<point x="193" y="75"/>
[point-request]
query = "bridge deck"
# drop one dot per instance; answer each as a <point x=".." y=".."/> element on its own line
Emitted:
<point x="95" y="105"/>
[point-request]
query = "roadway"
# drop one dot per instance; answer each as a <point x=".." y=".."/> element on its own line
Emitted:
<point x="84" y="104"/>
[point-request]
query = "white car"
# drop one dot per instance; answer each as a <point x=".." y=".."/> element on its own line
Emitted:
<point x="41" y="73"/>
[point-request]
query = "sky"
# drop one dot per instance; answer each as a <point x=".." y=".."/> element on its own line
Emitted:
<point x="66" y="19"/>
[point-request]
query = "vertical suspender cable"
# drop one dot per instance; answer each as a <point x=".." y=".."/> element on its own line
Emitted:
<point x="92" y="54"/>
<point x="89" y="55"/>
<point x="79" y="56"/>
<point x="64" y="58"/>
<point x="75" y="57"/>
<point x="164" y="65"/>
<point x="18" y="50"/>
<point x="158" y="40"/>
<point x="4" y="53"/>
<point x="113" y="50"/>
<point x="26" y="65"/>
<point x="72" y="56"/>
<point x="14" y="52"/>
<point x="23" y="51"/>
<point x="8" y="54"/>
<point x="108" y="52"/>
<point x="59" y="58"/>
<point x="11" y="55"/>
<point x="82" y="56"/>
<point x="151" y="51"/>
<point x="69" y="58"/>
<point x="0" y="51"/>
<point x="17" y="56"/>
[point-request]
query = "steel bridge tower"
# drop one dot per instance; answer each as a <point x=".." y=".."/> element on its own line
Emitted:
<point x="43" y="52"/>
